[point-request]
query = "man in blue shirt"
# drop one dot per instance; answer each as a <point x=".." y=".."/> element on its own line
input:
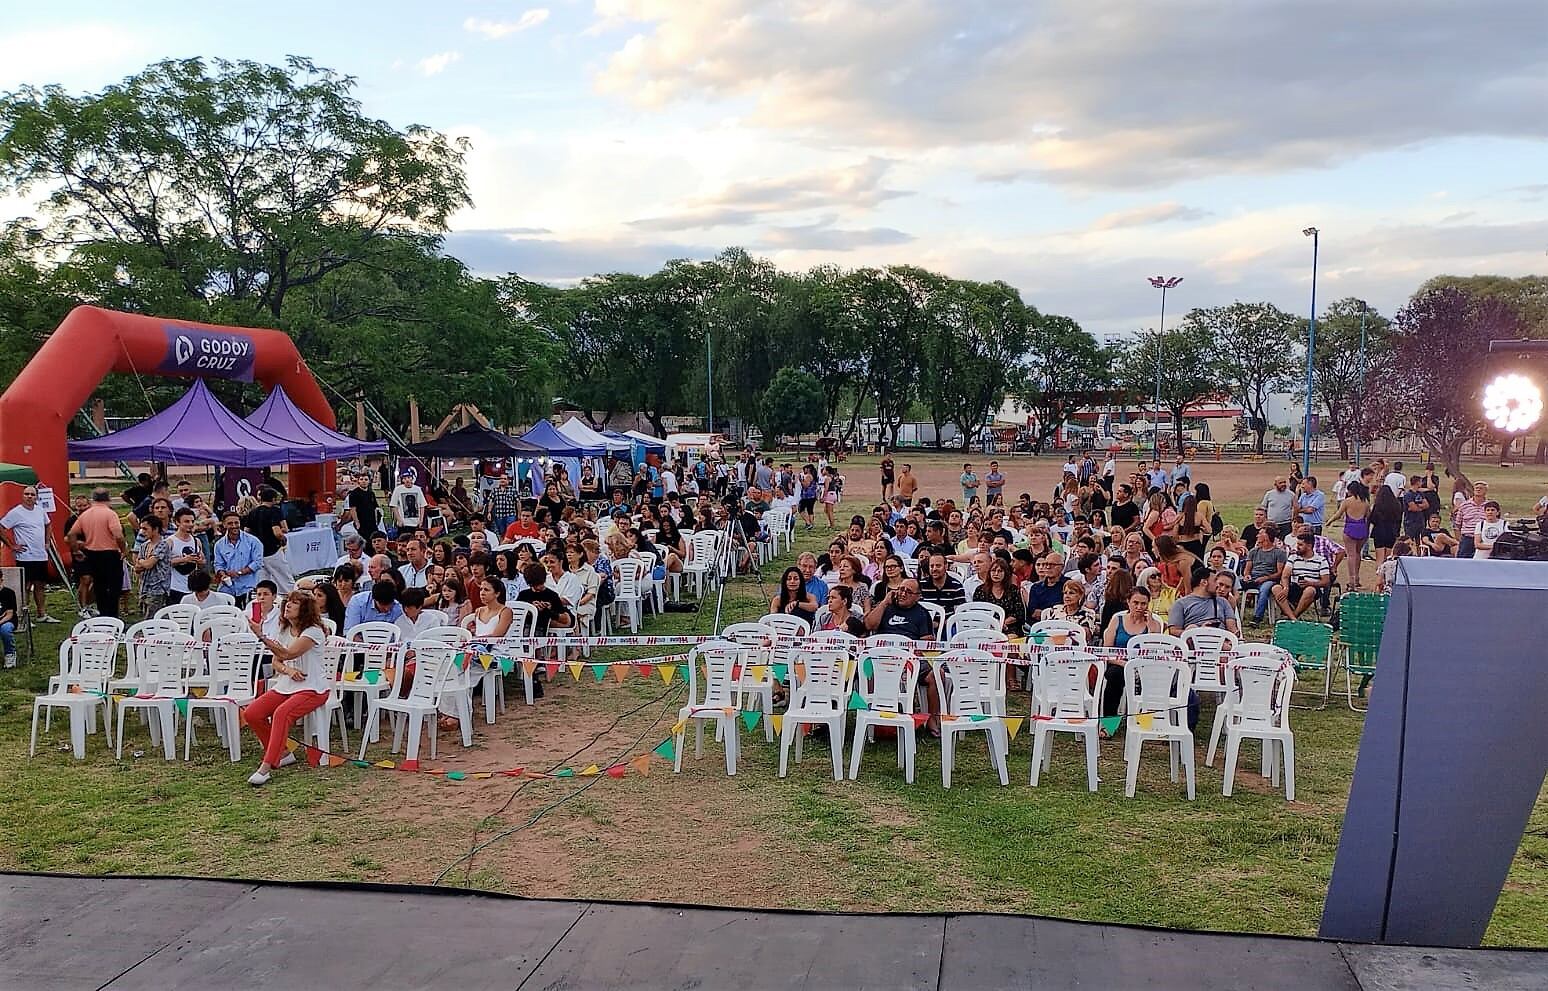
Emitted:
<point x="815" y="587"/>
<point x="1158" y="477"/>
<point x="238" y="556"/>
<point x="381" y="606"/>
<point x="1312" y="504"/>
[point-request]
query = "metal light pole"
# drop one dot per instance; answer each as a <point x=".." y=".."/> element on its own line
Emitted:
<point x="709" y="381"/>
<point x="1162" y="283"/>
<point x="1363" y="309"/>
<point x="1311" y="344"/>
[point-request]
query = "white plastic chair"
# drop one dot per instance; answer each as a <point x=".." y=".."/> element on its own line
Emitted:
<point x="889" y="695"/>
<point x="317" y="724"/>
<point x="975" y="640"/>
<point x="1067" y="704"/>
<point x="755" y="685"/>
<point x="975" y="616"/>
<point x="435" y="676"/>
<point x="161" y="629"/>
<point x="1156" y="691"/>
<point x="161" y="667"/>
<point x="970" y="677"/>
<point x="1208" y="651"/>
<point x="786" y="631"/>
<point x="181" y="613"/>
<point x="938" y="617"/>
<point x="383" y="643"/>
<point x="108" y="625"/>
<point x="631" y="587"/>
<point x="1259" y="709"/>
<point x="654" y="588"/>
<point x="703" y="560"/>
<point x="214" y="622"/>
<point x="820" y="699"/>
<point x="717" y="698"/>
<point x="1058" y="633"/>
<point x="81" y="689"/>
<point x="233" y="666"/>
<point x="524" y="623"/>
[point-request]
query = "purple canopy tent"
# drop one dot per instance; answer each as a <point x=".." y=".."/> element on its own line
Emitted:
<point x="197" y="430"/>
<point x="282" y="418"/>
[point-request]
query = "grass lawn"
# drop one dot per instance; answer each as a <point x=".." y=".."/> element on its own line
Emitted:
<point x="1252" y="862"/>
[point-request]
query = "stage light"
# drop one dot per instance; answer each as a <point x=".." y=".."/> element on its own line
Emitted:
<point x="1513" y="403"/>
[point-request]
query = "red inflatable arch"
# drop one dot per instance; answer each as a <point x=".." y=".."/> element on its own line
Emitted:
<point x="92" y="342"/>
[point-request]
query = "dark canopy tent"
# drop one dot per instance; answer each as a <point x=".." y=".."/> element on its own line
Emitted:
<point x="197" y="430"/>
<point x="282" y="418"/>
<point x="556" y="445"/>
<point x="476" y="441"/>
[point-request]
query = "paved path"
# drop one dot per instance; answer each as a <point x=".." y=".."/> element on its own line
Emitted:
<point x="121" y="933"/>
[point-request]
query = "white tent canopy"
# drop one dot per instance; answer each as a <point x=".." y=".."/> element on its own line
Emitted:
<point x="575" y="429"/>
<point x="645" y="439"/>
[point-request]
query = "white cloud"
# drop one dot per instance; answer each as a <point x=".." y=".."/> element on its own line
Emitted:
<point x="1118" y="95"/>
<point x="1144" y="216"/>
<point x="434" y="65"/>
<point x="495" y="30"/>
<point x="854" y="188"/>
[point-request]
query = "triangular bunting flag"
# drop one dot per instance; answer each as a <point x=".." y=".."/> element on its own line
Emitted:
<point x="335" y="761"/>
<point x="736" y="672"/>
<point x="800" y="670"/>
<point x="291" y="746"/>
<point x="486" y="660"/>
<point x="409" y="765"/>
<point x="372" y="677"/>
<point x="867" y="669"/>
<point x="552" y="670"/>
<point x="599" y="671"/>
<point x="750" y="718"/>
<point x="181" y="706"/>
<point x="641" y="764"/>
<point x="575" y="669"/>
<point x="666" y="671"/>
<point x="781" y="672"/>
<point x="389" y="673"/>
<point x="529" y="668"/>
<point x="507" y="665"/>
<point x="679" y="726"/>
<point x="589" y="771"/>
<point x="620" y="672"/>
<point x="919" y="718"/>
<point x="386" y="765"/>
<point x="1110" y="724"/>
<point x="359" y="763"/>
<point x="646" y="670"/>
<point x="514" y="772"/>
<point x="1013" y="725"/>
<point x="455" y="775"/>
<point x="667" y="750"/>
<point x="351" y="675"/>
<point x="1144" y="719"/>
<point x="778" y="723"/>
<point x="459" y="660"/>
<point x="482" y="775"/>
<point x="536" y="775"/>
<point x="978" y="718"/>
<point x="565" y="772"/>
<point x="759" y="672"/>
<point x="857" y="701"/>
<point x="313" y="756"/>
<point x="616" y="771"/>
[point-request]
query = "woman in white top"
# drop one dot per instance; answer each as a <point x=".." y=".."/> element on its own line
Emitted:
<point x="299" y="684"/>
<point x="581" y="581"/>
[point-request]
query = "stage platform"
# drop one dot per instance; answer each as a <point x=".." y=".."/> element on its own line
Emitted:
<point x="59" y="932"/>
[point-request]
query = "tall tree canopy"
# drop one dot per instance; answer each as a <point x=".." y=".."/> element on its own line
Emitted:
<point x="1251" y="346"/>
<point x="1186" y="372"/>
<point x="1341" y="373"/>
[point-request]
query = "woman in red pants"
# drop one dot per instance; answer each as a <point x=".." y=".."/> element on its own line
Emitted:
<point x="297" y="687"/>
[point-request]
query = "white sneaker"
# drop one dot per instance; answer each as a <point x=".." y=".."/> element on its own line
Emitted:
<point x="10" y="660"/>
<point x="286" y="760"/>
<point x="258" y="779"/>
<point x="46" y="618"/>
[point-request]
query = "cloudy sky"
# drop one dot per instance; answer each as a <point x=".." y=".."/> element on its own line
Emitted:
<point x="1069" y="147"/>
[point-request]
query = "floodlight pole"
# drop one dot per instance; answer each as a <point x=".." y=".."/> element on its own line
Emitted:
<point x="1311" y="344"/>
<point x="1363" y="310"/>
<point x="1162" y="283"/>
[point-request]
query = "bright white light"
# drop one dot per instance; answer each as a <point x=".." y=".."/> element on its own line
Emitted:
<point x="1513" y="403"/>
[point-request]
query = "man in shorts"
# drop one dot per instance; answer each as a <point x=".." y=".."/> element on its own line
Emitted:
<point x="23" y="530"/>
<point x="887" y="477"/>
<point x="907" y="485"/>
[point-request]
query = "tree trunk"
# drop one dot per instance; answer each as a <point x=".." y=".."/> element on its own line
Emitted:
<point x="1258" y="434"/>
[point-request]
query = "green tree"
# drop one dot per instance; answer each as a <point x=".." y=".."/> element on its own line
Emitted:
<point x="1340" y="374"/>
<point x="1527" y="295"/>
<point x="792" y="405"/>
<point x="1187" y="375"/>
<point x="1066" y="370"/>
<point x="1251" y="348"/>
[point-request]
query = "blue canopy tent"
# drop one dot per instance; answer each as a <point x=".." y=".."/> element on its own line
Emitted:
<point x="560" y="448"/>
<point x="639" y="444"/>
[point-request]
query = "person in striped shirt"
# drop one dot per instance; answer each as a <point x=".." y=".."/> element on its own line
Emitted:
<point x="1306" y="574"/>
<point x="1468" y="514"/>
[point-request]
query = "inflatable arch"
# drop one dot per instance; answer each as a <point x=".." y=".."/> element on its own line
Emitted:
<point x="91" y="343"/>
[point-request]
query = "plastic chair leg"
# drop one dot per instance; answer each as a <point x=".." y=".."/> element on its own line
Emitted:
<point x="1233" y="745"/>
<point x="415" y="726"/>
<point x="169" y="731"/>
<point x="118" y="750"/>
<point x="858" y="746"/>
<point x="948" y="756"/>
<point x="1289" y="748"/>
<point x="1214" y="733"/>
<point x="1039" y="743"/>
<point x="998" y="744"/>
<point x="677" y="747"/>
<point x="836" y="742"/>
<point x="78" y="732"/>
<point x="732" y="743"/>
<point x="1131" y="776"/>
<point x="784" y="747"/>
<point x="912" y="743"/>
<point x="1092" y="747"/>
<point x="1187" y="761"/>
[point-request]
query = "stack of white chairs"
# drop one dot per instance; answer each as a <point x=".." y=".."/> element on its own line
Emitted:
<point x="819" y="697"/>
<point x="1208" y="652"/>
<point x="1258" y="708"/>
<point x="161" y="666"/>
<point x="91" y="660"/>
<point x="886" y="677"/>
<point x="972" y="639"/>
<point x="655" y="588"/>
<point x="969" y="687"/>
<point x="1066" y="702"/>
<point x="1157" y="679"/>
<point x="233" y="665"/>
<point x="715" y="697"/>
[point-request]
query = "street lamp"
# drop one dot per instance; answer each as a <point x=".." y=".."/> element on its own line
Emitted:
<point x="1311" y="344"/>
<point x="1162" y="283"/>
<point x="1360" y="427"/>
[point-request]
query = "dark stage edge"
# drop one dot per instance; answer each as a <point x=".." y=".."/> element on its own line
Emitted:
<point x="62" y="932"/>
